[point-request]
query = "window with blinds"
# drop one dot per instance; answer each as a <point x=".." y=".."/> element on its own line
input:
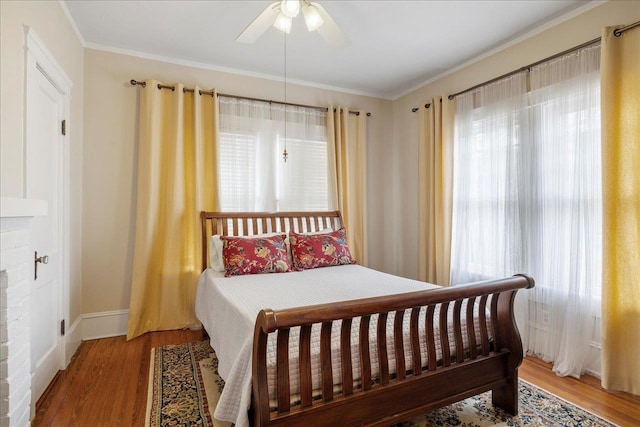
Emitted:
<point x="253" y="174"/>
<point x="237" y="168"/>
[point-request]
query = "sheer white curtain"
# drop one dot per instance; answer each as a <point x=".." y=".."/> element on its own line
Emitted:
<point x="490" y="126"/>
<point x="248" y="148"/>
<point x="253" y="174"/>
<point x="527" y="198"/>
<point x="566" y="240"/>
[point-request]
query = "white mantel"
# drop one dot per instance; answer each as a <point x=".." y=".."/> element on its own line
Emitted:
<point x="16" y="269"/>
<point x="12" y="207"/>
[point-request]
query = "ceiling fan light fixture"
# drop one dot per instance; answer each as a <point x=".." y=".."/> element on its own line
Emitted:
<point x="283" y="23"/>
<point x="315" y="16"/>
<point x="311" y="16"/>
<point x="290" y="8"/>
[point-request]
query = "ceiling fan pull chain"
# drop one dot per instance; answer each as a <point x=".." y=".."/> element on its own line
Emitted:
<point x="285" y="155"/>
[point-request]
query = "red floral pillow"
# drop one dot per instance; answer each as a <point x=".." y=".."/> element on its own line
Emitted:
<point x="319" y="250"/>
<point x="242" y="255"/>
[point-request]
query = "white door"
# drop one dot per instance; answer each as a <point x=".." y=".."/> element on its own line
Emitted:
<point x="44" y="144"/>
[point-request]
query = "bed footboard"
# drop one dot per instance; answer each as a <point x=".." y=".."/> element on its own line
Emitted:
<point x="487" y="360"/>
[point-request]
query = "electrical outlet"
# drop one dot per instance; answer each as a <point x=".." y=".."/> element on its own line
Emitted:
<point x="545" y="317"/>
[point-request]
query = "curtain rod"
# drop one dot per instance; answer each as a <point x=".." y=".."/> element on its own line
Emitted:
<point x="427" y="105"/>
<point x="528" y="67"/>
<point x="617" y="32"/>
<point x="211" y="93"/>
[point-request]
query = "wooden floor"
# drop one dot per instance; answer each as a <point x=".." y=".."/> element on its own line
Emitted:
<point x="106" y="385"/>
<point x="106" y="382"/>
<point x="620" y="408"/>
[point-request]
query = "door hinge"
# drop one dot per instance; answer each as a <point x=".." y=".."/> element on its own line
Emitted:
<point x="62" y="327"/>
<point x="64" y="127"/>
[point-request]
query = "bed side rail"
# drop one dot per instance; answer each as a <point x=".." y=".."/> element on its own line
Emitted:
<point x="441" y="307"/>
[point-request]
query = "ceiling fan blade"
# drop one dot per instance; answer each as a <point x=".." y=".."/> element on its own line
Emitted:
<point x="329" y="30"/>
<point x="260" y="24"/>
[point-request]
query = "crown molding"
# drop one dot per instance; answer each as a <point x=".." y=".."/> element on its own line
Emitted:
<point x="72" y="21"/>
<point x="385" y="96"/>
<point x="212" y="67"/>
<point x="567" y="16"/>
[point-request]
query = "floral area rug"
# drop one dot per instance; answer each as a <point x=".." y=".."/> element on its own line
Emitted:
<point x="184" y="388"/>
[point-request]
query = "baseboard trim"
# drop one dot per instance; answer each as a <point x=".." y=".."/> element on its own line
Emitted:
<point x="104" y="324"/>
<point x="72" y="340"/>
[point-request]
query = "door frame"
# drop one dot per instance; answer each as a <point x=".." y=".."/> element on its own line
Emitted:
<point x="38" y="59"/>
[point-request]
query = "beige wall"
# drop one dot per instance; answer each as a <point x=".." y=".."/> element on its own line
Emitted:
<point x="103" y="158"/>
<point x="51" y="25"/>
<point x="404" y="199"/>
<point x="109" y="168"/>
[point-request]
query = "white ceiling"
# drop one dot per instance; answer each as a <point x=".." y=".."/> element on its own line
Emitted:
<point x="395" y="45"/>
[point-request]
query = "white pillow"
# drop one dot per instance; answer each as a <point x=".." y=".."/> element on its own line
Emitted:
<point x="216" y="260"/>
<point x="323" y="231"/>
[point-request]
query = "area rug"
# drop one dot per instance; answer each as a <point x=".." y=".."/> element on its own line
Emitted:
<point x="184" y="388"/>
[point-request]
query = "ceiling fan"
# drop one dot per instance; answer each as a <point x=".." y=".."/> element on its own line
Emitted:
<point x="281" y="13"/>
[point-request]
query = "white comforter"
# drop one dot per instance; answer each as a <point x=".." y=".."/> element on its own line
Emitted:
<point x="228" y="308"/>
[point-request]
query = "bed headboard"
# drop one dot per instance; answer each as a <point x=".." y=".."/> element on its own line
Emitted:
<point x="250" y="223"/>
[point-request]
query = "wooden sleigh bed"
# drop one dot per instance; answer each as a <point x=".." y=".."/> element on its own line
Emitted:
<point x="415" y="384"/>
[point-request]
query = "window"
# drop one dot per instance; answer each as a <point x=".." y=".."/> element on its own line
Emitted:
<point x="253" y="174"/>
<point x="528" y="199"/>
<point x="302" y="181"/>
<point x="489" y="128"/>
<point x="237" y="171"/>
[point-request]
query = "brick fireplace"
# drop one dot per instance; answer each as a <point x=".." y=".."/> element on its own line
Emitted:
<point x="16" y="269"/>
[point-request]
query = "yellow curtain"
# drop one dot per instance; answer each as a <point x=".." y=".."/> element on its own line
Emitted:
<point x="347" y="137"/>
<point x="620" y="95"/>
<point x="177" y="151"/>
<point x="435" y="186"/>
